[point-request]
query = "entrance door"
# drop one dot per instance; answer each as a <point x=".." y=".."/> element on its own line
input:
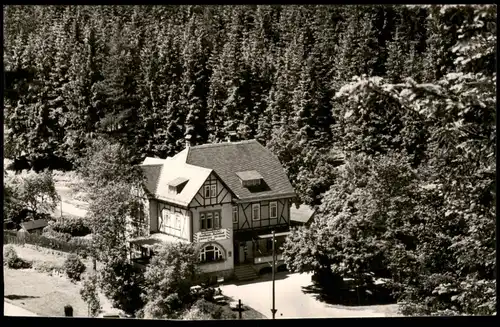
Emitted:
<point x="236" y="252"/>
<point x="242" y="254"/>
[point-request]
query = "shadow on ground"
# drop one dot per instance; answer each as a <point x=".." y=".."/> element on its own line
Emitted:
<point x="377" y="295"/>
<point x="262" y="278"/>
<point x="19" y="297"/>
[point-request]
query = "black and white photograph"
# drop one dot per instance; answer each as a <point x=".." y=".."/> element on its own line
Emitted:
<point x="249" y="162"/>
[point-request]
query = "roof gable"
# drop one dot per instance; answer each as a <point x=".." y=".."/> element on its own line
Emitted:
<point x="226" y="159"/>
<point x="193" y="177"/>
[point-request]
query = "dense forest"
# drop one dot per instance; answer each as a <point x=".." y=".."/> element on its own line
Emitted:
<point x="146" y="76"/>
<point x="385" y="116"/>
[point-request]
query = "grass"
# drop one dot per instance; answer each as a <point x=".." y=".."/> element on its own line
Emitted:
<point x="43" y="294"/>
<point x="48" y="257"/>
<point x="40" y="292"/>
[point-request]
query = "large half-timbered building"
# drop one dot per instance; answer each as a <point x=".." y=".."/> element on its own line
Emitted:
<point x="226" y="198"/>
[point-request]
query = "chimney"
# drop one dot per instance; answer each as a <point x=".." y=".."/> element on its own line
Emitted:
<point x="188" y="140"/>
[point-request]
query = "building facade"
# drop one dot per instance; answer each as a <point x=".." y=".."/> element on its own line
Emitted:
<point x="226" y="198"/>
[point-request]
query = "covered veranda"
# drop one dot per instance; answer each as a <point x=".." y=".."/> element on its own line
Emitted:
<point x="142" y="248"/>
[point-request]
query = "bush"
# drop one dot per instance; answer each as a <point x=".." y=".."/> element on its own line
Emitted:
<point x="13" y="261"/>
<point x="47" y="267"/>
<point x="82" y="246"/>
<point x="122" y="282"/>
<point x="89" y="294"/>
<point x="214" y="310"/>
<point x="74" y="267"/>
<point x="75" y="226"/>
<point x="49" y="232"/>
<point x="195" y="314"/>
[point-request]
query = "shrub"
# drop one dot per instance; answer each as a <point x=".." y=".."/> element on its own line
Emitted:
<point x="122" y="283"/>
<point x="74" y="267"/>
<point x="13" y="261"/>
<point x="89" y="294"/>
<point x="47" y="267"/>
<point x="49" y="232"/>
<point x="214" y="310"/>
<point x="195" y="314"/>
<point x="75" y="226"/>
<point x="82" y="246"/>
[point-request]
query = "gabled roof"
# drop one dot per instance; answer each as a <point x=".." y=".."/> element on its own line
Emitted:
<point x="172" y="169"/>
<point x="152" y="174"/>
<point x="302" y="214"/>
<point x="34" y="224"/>
<point x="226" y="159"/>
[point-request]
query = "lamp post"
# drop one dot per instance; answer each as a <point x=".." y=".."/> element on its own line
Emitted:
<point x="273" y="310"/>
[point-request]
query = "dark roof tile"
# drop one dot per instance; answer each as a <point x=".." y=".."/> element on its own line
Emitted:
<point x="152" y="174"/>
<point x="34" y="224"/>
<point x="226" y="159"/>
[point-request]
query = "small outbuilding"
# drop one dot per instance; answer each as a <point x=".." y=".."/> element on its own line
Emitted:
<point x="302" y="215"/>
<point x="34" y="226"/>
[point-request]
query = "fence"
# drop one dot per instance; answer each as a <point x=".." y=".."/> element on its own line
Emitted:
<point x="13" y="237"/>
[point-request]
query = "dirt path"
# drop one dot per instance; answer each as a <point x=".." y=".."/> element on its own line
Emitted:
<point x="69" y="206"/>
<point x="12" y="310"/>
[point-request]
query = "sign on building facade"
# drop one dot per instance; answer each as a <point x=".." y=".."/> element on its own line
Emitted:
<point x="212" y="235"/>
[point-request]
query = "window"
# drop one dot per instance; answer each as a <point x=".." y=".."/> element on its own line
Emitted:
<point x="163" y="220"/>
<point x="166" y="220"/>
<point x="213" y="191"/>
<point x="202" y="221"/>
<point x="251" y="182"/>
<point x="170" y="221"/>
<point x="273" y="210"/>
<point x="235" y="214"/>
<point x="210" y="220"/>
<point x="207" y="191"/>
<point x="256" y="211"/>
<point x="210" y="253"/>
<point x="178" y="221"/>
<point x="216" y="220"/>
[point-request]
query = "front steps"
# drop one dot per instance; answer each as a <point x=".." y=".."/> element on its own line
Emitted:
<point x="245" y="272"/>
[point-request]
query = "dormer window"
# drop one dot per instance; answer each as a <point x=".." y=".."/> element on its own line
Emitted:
<point x="175" y="186"/>
<point x="249" y="178"/>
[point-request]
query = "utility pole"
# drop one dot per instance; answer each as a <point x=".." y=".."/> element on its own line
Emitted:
<point x="273" y="310"/>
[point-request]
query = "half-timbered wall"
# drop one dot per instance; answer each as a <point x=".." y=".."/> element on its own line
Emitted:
<point x="245" y="220"/>
<point x="176" y="223"/>
<point x="221" y="194"/>
<point x="153" y="216"/>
